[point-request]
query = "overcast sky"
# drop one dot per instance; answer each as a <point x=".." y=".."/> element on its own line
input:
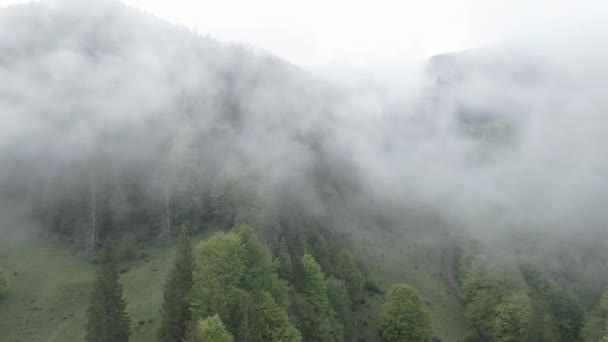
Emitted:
<point x="372" y="32"/>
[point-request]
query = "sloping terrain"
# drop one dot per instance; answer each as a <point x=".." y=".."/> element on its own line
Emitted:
<point x="49" y="285"/>
<point x="394" y="256"/>
<point x="128" y="110"/>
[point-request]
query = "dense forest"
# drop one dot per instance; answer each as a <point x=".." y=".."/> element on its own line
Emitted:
<point x="123" y="134"/>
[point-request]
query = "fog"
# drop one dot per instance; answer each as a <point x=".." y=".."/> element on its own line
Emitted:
<point x="501" y="138"/>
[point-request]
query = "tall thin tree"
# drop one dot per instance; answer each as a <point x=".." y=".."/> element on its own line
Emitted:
<point x="90" y="240"/>
<point x="175" y="311"/>
<point x="107" y="318"/>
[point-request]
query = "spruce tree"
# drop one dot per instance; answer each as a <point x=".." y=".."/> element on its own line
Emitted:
<point x="347" y="270"/>
<point x="341" y="304"/>
<point x="273" y="321"/>
<point x="107" y="318"/>
<point x="175" y="311"/>
<point x="319" y="323"/>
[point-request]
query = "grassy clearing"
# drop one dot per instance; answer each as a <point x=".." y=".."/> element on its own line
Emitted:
<point x="48" y="297"/>
<point x="397" y="256"/>
<point x="49" y="286"/>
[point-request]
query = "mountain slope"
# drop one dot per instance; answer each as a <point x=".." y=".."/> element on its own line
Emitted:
<point x="98" y="93"/>
<point x="49" y="285"/>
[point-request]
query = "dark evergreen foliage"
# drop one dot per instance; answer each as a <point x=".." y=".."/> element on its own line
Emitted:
<point x="191" y="334"/>
<point x="107" y="318"/>
<point x="320" y="322"/>
<point x="175" y="311"/>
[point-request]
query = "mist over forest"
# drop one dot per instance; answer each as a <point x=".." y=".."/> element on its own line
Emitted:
<point x="117" y="125"/>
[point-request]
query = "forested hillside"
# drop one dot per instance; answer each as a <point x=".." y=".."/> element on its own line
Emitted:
<point x="301" y="204"/>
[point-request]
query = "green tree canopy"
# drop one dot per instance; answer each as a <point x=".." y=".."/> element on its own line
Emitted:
<point x="340" y="302"/>
<point x="595" y="328"/>
<point x="234" y="274"/>
<point x="274" y="322"/>
<point x="235" y="199"/>
<point x="403" y="317"/>
<point x="211" y="329"/>
<point x="513" y="317"/>
<point x="557" y="315"/>
<point x="485" y="288"/>
<point x="346" y="269"/>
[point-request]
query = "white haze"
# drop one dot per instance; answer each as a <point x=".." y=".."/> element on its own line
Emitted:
<point x="400" y="128"/>
<point x="370" y="33"/>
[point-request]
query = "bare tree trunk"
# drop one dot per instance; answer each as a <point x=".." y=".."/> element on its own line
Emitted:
<point x="165" y="224"/>
<point x="91" y="234"/>
<point x="168" y="210"/>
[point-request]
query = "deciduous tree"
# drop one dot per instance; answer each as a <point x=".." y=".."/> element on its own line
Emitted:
<point x="403" y="317"/>
<point x="513" y="316"/>
<point x="211" y="329"/>
<point x="234" y="276"/>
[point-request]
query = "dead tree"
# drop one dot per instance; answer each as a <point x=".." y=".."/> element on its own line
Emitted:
<point x="165" y="224"/>
<point x="91" y="231"/>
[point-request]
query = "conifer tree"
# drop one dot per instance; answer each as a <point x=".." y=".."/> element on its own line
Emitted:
<point x="341" y="304"/>
<point x="274" y="322"/>
<point x="107" y="318"/>
<point x="346" y="269"/>
<point x="320" y="323"/>
<point x="175" y="311"/>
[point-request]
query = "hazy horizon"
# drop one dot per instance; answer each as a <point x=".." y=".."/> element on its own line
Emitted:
<point x="375" y="33"/>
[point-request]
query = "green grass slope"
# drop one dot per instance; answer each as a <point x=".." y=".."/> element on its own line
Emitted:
<point x="401" y="256"/>
<point x="49" y="286"/>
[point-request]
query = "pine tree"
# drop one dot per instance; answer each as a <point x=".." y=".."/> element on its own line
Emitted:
<point x="346" y="269"/>
<point x="319" y="324"/>
<point x="107" y="317"/>
<point x="341" y="304"/>
<point x="175" y="311"/>
<point x="274" y="322"/>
